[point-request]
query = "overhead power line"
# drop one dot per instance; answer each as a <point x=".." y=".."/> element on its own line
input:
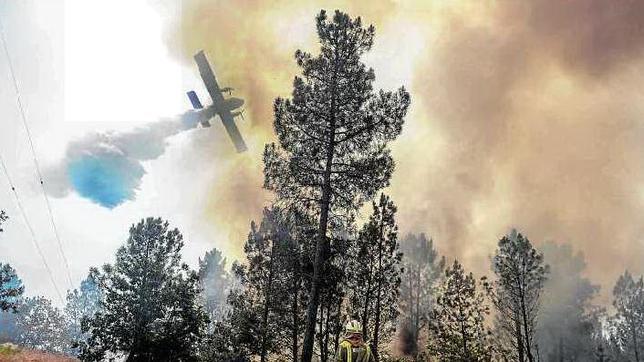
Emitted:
<point x="35" y="158"/>
<point x="30" y="229"/>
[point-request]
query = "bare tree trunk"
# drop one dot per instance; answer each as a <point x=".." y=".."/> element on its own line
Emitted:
<point x="295" y="314"/>
<point x="267" y="303"/>
<point x="634" y="329"/>
<point x="376" y="329"/>
<point x="320" y="334"/>
<point x="519" y="338"/>
<point x="525" y="328"/>
<point x="367" y="301"/>
<point x="417" y="321"/>
<point x="325" y="346"/>
<point x="466" y="353"/>
<point x="336" y="343"/>
<point x="322" y="246"/>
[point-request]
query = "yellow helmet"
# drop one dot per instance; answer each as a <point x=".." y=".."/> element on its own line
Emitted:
<point x="352" y="327"/>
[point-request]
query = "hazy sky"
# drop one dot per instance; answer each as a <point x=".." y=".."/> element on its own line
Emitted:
<point x="524" y="114"/>
<point x="87" y="67"/>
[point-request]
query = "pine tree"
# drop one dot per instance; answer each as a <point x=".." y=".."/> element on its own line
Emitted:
<point x="214" y="282"/>
<point x="295" y="266"/>
<point x="627" y="326"/>
<point x="258" y="307"/>
<point x="150" y="308"/>
<point x="374" y="273"/>
<point x="458" y="321"/>
<point x="422" y="272"/>
<point x="569" y="322"/>
<point x="41" y="326"/>
<point x="520" y="276"/>
<point x="333" y="134"/>
<point x="223" y="343"/>
<point x="3" y="219"/>
<point x="11" y="287"/>
<point x="82" y="304"/>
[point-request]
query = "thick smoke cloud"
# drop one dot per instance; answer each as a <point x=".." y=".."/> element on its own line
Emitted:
<point x="524" y="114"/>
<point x="535" y="107"/>
<point x="107" y="168"/>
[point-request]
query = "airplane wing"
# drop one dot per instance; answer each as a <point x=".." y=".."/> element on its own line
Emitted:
<point x="218" y="101"/>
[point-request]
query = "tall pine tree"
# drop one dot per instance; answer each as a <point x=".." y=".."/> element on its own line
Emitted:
<point x="520" y="276"/>
<point x="422" y="271"/>
<point x="627" y="326"/>
<point x="332" y="152"/>
<point x="261" y="306"/>
<point x="458" y="321"/>
<point x="215" y="284"/>
<point x="82" y="304"/>
<point x="374" y="273"/>
<point x="150" y="309"/>
<point x="11" y="287"/>
<point x="569" y="322"/>
<point x="40" y="325"/>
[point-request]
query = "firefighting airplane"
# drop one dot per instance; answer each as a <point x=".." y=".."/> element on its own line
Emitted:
<point x="222" y="107"/>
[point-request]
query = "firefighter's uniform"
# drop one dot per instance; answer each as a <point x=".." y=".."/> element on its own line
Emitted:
<point x="354" y="352"/>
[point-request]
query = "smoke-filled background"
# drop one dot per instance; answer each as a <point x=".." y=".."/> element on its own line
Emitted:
<point x="524" y="114"/>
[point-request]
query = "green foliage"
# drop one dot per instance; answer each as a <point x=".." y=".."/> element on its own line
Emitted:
<point x="150" y="308"/>
<point x="333" y="132"/>
<point x="332" y="153"/>
<point x="11" y="288"/>
<point x="7" y="350"/>
<point x="458" y="332"/>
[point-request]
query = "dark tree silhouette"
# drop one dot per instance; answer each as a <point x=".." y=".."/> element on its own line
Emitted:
<point x="150" y="309"/>
<point x="520" y="275"/>
<point x="569" y="322"/>
<point x="458" y="321"/>
<point x="375" y="270"/>
<point x="11" y="287"/>
<point x="627" y="326"/>
<point x="422" y="272"/>
<point x="332" y="152"/>
<point x="3" y="218"/>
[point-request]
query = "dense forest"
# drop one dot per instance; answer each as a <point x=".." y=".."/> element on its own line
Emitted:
<point x="314" y="262"/>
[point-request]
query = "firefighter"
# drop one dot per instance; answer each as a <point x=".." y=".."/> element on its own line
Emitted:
<point x="353" y="347"/>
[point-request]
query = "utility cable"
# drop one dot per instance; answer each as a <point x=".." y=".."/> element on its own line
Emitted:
<point x="35" y="159"/>
<point x="31" y="229"/>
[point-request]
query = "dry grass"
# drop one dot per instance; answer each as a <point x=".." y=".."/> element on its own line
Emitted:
<point x="12" y="353"/>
